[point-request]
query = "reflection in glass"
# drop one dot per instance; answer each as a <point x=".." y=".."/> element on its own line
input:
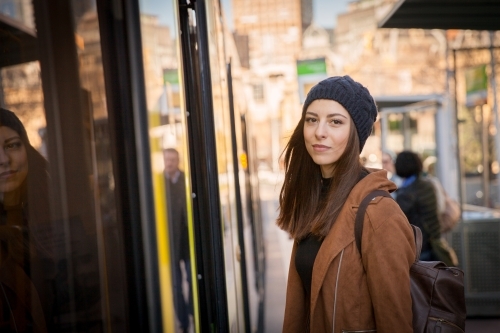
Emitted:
<point x="26" y="261"/>
<point x="56" y="264"/>
<point x="110" y="273"/>
<point x="179" y="238"/>
<point x="170" y="164"/>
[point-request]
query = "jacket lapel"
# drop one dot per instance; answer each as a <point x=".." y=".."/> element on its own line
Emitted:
<point x="342" y="232"/>
<point x="341" y="235"/>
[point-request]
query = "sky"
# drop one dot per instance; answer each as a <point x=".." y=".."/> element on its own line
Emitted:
<point x="324" y="11"/>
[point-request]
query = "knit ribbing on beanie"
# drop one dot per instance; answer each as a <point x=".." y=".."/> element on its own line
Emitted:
<point x="355" y="98"/>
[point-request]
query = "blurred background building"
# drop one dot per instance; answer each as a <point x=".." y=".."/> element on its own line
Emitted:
<point x="282" y="51"/>
<point x="269" y="34"/>
<point x="418" y="77"/>
<point x="409" y="71"/>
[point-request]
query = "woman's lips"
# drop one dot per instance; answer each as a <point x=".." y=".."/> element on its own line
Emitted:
<point x="7" y="174"/>
<point x="320" y="148"/>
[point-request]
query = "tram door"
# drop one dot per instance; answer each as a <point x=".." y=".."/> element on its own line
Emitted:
<point x="94" y="126"/>
<point x="127" y="216"/>
<point x="214" y="135"/>
<point x="192" y="165"/>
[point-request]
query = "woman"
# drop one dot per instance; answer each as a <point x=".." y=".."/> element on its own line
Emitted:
<point x="417" y="198"/>
<point x="24" y="216"/>
<point x="330" y="288"/>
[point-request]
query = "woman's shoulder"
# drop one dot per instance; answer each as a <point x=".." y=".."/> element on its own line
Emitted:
<point x="384" y="210"/>
<point x="375" y="179"/>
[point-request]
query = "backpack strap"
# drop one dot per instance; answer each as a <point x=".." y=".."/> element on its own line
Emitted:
<point x="360" y="215"/>
<point x="418" y="241"/>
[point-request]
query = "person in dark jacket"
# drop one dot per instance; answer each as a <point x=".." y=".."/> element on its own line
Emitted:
<point x="179" y="236"/>
<point x="417" y="198"/>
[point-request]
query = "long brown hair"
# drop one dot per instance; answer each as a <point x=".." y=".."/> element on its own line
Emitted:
<point x="301" y="210"/>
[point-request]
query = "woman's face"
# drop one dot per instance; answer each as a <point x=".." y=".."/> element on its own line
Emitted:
<point x="13" y="160"/>
<point x="327" y="125"/>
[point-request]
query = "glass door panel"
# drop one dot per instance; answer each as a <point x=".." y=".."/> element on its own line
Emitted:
<point x="61" y="240"/>
<point x="170" y="164"/>
<point x="232" y="250"/>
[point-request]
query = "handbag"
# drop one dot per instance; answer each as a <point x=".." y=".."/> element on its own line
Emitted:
<point x="451" y="214"/>
<point x="444" y="252"/>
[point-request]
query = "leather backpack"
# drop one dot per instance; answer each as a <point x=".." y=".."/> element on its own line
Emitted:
<point x="437" y="291"/>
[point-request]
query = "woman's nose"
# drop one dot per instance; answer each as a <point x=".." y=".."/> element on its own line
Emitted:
<point x="321" y="130"/>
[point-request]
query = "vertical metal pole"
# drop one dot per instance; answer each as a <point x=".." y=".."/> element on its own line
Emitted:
<point x="447" y="140"/>
<point x="486" y="156"/>
<point x="384" y="129"/>
<point x="407" y="144"/>
<point x="460" y="173"/>
<point x="494" y="110"/>
<point x="448" y="152"/>
<point x="239" y="207"/>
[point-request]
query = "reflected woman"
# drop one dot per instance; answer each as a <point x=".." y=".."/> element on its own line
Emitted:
<point x="23" y="214"/>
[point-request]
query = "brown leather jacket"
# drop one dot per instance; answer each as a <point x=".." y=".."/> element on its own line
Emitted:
<point x="348" y="295"/>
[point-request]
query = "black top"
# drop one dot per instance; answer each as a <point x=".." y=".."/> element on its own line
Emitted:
<point x="308" y="248"/>
<point x="177" y="218"/>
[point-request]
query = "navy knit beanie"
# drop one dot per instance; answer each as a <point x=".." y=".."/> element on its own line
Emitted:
<point x="9" y="119"/>
<point x="355" y="98"/>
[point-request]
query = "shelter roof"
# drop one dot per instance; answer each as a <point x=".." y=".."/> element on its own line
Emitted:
<point x="406" y="103"/>
<point x="444" y="14"/>
<point x="17" y="42"/>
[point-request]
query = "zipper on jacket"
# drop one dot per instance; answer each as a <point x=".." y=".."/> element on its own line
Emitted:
<point x="441" y="321"/>
<point x="336" y="288"/>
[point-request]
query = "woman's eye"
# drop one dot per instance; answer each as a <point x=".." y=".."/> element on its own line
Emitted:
<point x="336" y="121"/>
<point x="310" y="120"/>
<point x="13" y="145"/>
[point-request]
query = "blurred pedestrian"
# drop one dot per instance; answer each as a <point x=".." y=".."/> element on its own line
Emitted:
<point x="417" y="198"/>
<point x="388" y="159"/>
<point x="330" y="288"/>
<point x="179" y="237"/>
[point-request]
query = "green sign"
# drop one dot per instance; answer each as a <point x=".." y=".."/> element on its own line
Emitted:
<point x="311" y="66"/>
<point x="171" y="76"/>
<point x="476" y="86"/>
